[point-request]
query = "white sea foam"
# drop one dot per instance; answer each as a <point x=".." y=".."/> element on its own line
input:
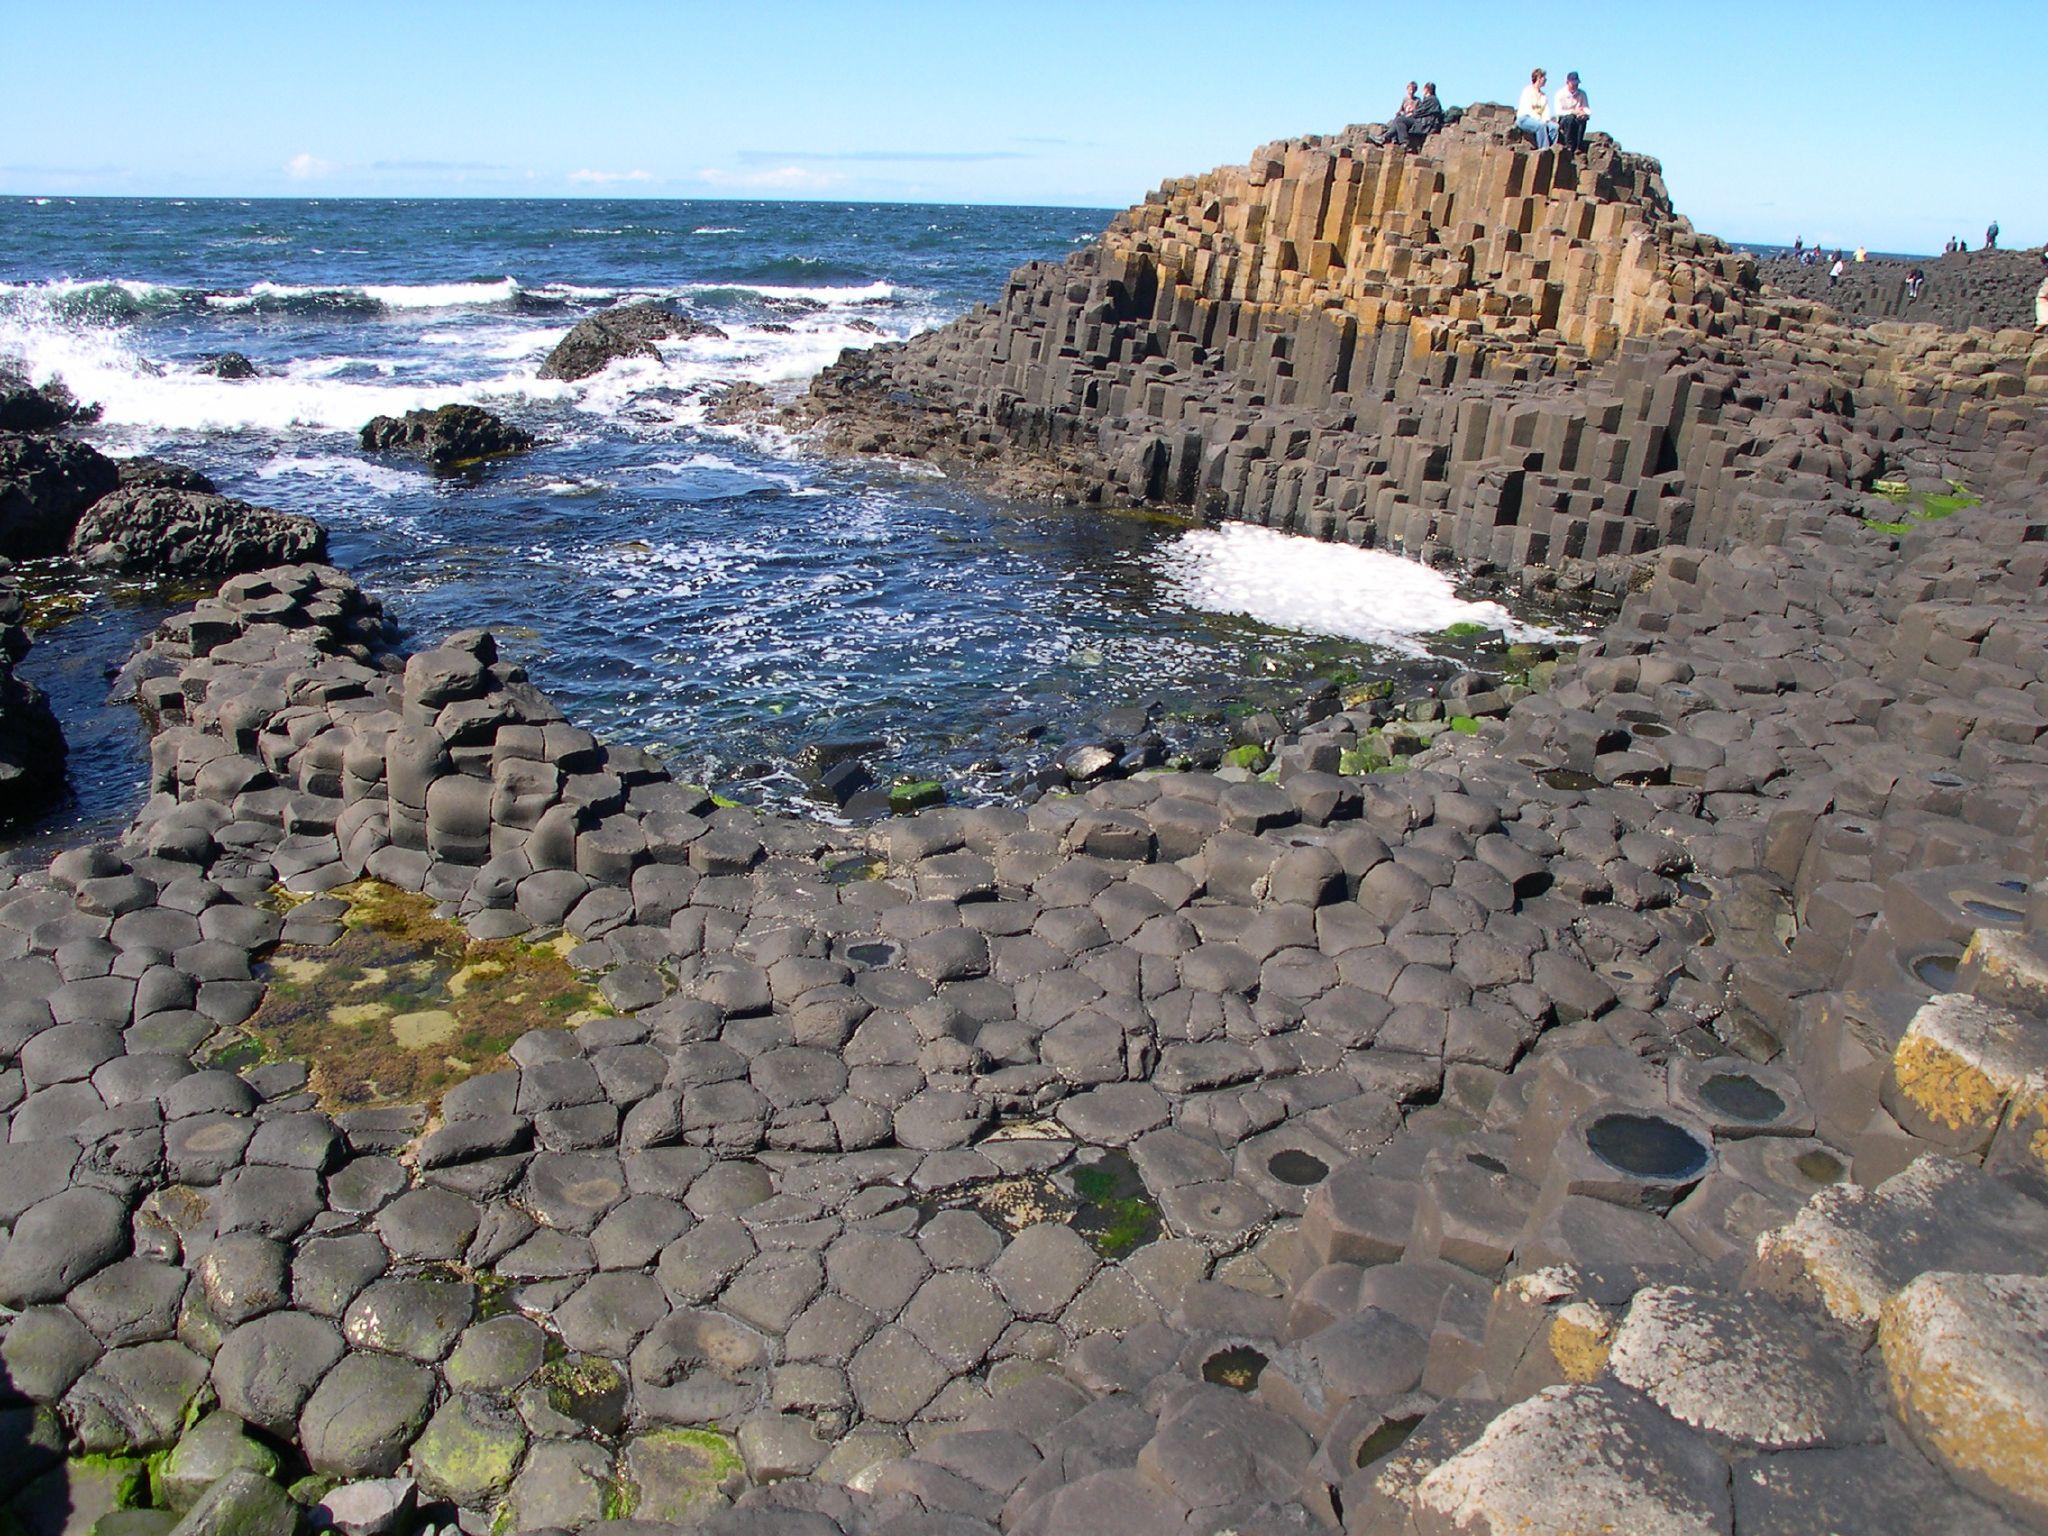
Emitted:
<point x="864" y="293"/>
<point x="390" y="295"/>
<point x="332" y="467"/>
<point x="99" y="365"/>
<point x="1318" y="588"/>
<point x="717" y="229"/>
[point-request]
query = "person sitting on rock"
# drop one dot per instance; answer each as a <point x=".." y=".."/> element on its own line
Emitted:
<point x="1410" y="128"/>
<point x="1571" y="112"/>
<point x="1532" y="112"/>
<point x="1914" y="280"/>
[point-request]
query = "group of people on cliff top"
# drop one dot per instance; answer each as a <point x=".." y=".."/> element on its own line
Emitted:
<point x="1957" y="245"/>
<point x="1559" y="120"/>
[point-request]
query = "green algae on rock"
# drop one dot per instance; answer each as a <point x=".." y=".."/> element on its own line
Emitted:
<point x="405" y="1004"/>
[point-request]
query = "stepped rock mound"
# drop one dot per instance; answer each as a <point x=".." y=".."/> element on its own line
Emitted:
<point x="139" y="473"/>
<point x="45" y="484"/>
<point x="448" y="438"/>
<point x="190" y="533"/>
<point x="1511" y="358"/>
<point x="631" y="330"/>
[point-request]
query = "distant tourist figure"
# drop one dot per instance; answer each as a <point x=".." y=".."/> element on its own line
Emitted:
<point x="1799" y="248"/>
<point x="1914" y="279"/>
<point x="2041" y="306"/>
<point x="1991" y="236"/>
<point x="1532" y="112"/>
<point x="1422" y="118"/>
<point x="1571" y="111"/>
<point x="1835" y="272"/>
<point x="1862" y="254"/>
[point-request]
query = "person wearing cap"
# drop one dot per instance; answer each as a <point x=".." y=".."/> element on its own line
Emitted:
<point x="1571" y="112"/>
<point x="1532" y="112"/>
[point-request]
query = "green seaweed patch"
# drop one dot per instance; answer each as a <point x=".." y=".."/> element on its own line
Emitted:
<point x="127" y="1477"/>
<point x="586" y="1388"/>
<point x="1113" y="1212"/>
<point x="1933" y="508"/>
<point x="695" y="1466"/>
<point x="1894" y="529"/>
<point x="1251" y="757"/>
<point x="1465" y="725"/>
<point x="1464" y="629"/>
<point x="405" y="1004"/>
<point x="907" y="795"/>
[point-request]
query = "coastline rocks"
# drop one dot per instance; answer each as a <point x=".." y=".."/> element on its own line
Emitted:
<point x="628" y="331"/>
<point x="39" y="408"/>
<point x="448" y="438"/>
<point x="161" y="474"/>
<point x="190" y="533"/>
<point x="45" y="484"/>
<point x="31" y="744"/>
<point x="736" y="403"/>
<point x="228" y="365"/>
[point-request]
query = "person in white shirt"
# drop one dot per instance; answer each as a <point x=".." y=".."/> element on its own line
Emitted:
<point x="1571" y="111"/>
<point x="1532" y="112"/>
<point x="1835" y="272"/>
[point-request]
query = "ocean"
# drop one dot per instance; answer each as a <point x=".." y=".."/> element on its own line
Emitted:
<point x="729" y="598"/>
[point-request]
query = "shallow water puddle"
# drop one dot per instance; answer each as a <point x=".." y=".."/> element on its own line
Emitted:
<point x="404" y="1005"/>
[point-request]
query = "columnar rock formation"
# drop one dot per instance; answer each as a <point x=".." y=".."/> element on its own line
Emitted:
<point x="1482" y="351"/>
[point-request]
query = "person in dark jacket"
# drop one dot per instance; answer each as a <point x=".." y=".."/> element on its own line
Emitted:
<point x="1409" y="129"/>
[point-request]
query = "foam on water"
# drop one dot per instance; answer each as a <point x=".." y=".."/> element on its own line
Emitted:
<point x="334" y="468"/>
<point x="1313" y="587"/>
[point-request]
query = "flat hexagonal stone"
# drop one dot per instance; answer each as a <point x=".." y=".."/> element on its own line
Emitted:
<point x="277" y="1202"/>
<point x="416" y="1315"/>
<point x="893" y="1376"/>
<point x="59" y="1242"/>
<point x="1043" y="1269"/>
<point x="134" y="1399"/>
<point x="1740" y="1366"/>
<point x="958" y="1317"/>
<point x="1967" y="1358"/>
<point x="131" y="1301"/>
<point x="497" y="1355"/>
<point x="610" y="1313"/>
<point x="469" y="1451"/>
<point x="1573" y="1459"/>
<point x="1215" y="1446"/>
<point x="266" y="1370"/>
<point x="427" y="1224"/>
<point x="573" y="1190"/>
<point x="364" y="1415"/>
<point x="45" y="1350"/>
<point x="563" y="1486"/>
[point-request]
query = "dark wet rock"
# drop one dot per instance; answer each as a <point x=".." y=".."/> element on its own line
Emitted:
<point x="448" y="438"/>
<point x="364" y="1414"/>
<point x="190" y="533"/>
<point x="244" y="1503"/>
<point x="59" y="1242"/>
<point x="160" y="474"/>
<point x="46" y="484"/>
<point x="39" y="408"/>
<point x="227" y="365"/>
<point x="631" y="330"/>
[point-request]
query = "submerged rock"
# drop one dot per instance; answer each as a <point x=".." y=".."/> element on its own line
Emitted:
<point x="31" y="743"/>
<point x="191" y="533"/>
<point x="628" y="331"/>
<point x="448" y="438"/>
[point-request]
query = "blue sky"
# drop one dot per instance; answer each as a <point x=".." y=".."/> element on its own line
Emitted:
<point x="1891" y="124"/>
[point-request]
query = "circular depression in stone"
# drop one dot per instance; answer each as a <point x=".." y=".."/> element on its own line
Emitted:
<point x="1647" y="1147"/>
<point x="1992" y="912"/>
<point x="1237" y="1367"/>
<point x="1938" y="970"/>
<point x="1296" y="1167"/>
<point x="1742" y="1098"/>
<point x="1821" y="1167"/>
<point x="1388" y="1438"/>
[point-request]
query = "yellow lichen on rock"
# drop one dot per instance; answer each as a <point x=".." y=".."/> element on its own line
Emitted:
<point x="1966" y="1357"/>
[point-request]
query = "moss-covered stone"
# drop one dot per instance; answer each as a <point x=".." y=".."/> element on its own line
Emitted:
<point x="673" y="1474"/>
<point x="469" y="1452"/>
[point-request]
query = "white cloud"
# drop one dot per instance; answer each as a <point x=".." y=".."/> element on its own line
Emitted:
<point x="604" y="178"/>
<point x="305" y="167"/>
<point x="780" y="176"/>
